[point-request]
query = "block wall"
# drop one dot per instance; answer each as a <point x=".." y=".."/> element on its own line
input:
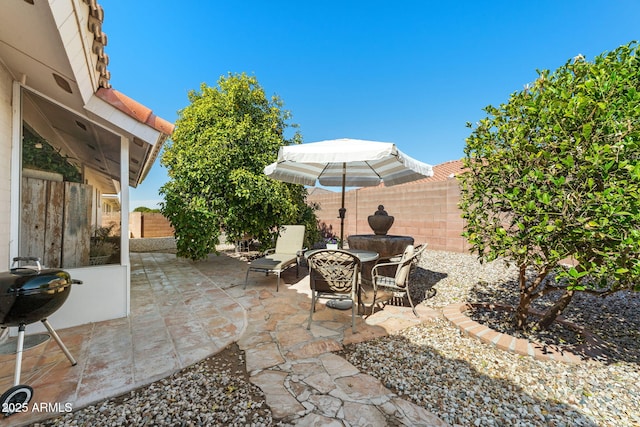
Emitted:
<point x="149" y="224"/>
<point x="426" y="211"/>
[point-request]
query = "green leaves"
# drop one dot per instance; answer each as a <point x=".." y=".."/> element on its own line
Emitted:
<point x="222" y="142"/>
<point x="575" y="274"/>
<point x="555" y="172"/>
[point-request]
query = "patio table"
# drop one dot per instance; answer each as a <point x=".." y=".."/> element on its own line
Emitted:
<point x="363" y="255"/>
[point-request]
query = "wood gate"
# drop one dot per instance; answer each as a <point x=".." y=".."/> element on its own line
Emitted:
<point x="55" y="222"/>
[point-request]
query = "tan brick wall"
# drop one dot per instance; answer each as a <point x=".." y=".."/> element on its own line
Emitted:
<point x="426" y="211"/>
<point x="135" y="225"/>
<point x="148" y="224"/>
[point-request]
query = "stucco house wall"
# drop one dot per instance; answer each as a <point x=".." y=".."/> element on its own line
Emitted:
<point x="54" y="80"/>
<point x="5" y="172"/>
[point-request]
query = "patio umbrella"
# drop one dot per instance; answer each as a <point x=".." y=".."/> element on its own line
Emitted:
<point x="347" y="163"/>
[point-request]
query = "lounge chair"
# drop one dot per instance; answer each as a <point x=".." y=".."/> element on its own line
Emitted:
<point x="286" y="254"/>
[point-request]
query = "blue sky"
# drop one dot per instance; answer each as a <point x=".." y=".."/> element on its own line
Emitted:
<point x="409" y="72"/>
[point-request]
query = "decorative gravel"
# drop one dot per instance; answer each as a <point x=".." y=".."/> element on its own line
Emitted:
<point x="469" y="383"/>
<point x="213" y="392"/>
<point x="458" y="378"/>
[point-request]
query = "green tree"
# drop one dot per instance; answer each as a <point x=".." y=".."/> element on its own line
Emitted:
<point x="222" y="142"/>
<point x="554" y="173"/>
<point x="144" y="209"/>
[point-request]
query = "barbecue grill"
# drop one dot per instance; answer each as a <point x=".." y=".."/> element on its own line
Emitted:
<point x="30" y="293"/>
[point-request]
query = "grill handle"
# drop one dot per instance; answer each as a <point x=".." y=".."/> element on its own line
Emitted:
<point x="32" y="259"/>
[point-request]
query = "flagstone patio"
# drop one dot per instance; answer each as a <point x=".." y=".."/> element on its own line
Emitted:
<point x="183" y="312"/>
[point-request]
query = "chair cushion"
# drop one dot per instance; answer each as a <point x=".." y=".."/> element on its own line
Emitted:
<point x="273" y="262"/>
<point x="404" y="267"/>
<point x="290" y="240"/>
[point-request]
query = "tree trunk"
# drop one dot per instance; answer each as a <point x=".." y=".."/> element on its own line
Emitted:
<point x="551" y="314"/>
<point x="522" y="310"/>
<point x="528" y="293"/>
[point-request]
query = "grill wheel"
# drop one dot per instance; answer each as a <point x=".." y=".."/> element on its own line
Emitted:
<point x="16" y="399"/>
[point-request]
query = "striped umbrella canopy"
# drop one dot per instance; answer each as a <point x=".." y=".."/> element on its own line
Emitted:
<point x="347" y="163"/>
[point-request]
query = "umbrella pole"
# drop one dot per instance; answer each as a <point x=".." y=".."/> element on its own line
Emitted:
<point x="342" y="211"/>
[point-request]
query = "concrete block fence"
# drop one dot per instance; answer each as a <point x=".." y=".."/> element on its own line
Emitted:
<point x="149" y="224"/>
<point x="427" y="211"/>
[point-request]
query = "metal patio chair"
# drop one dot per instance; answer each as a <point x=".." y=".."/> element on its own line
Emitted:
<point x="334" y="274"/>
<point x="399" y="283"/>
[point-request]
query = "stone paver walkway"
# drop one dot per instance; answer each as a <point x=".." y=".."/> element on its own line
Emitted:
<point x="183" y="312"/>
<point x="303" y="381"/>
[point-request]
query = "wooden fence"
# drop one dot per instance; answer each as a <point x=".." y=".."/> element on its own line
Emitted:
<point x="56" y="222"/>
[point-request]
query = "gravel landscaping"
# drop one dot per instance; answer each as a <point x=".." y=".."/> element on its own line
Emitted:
<point x="466" y="382"/>
<point x="213" y="392"/>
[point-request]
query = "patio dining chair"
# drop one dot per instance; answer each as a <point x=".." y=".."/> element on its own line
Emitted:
<point x="399" y="283"/>
<point x="333" y="274"/>
<point x="286" y="254"/>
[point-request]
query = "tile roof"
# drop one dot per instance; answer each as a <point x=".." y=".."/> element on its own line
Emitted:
<point x="119" y="100"/>
<point x="444" y="171"/>
<point x="318" y="191"/>
<point x="441" y="172"/>
<point x="94" y="24"/>
<point x="135" y="110"/>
